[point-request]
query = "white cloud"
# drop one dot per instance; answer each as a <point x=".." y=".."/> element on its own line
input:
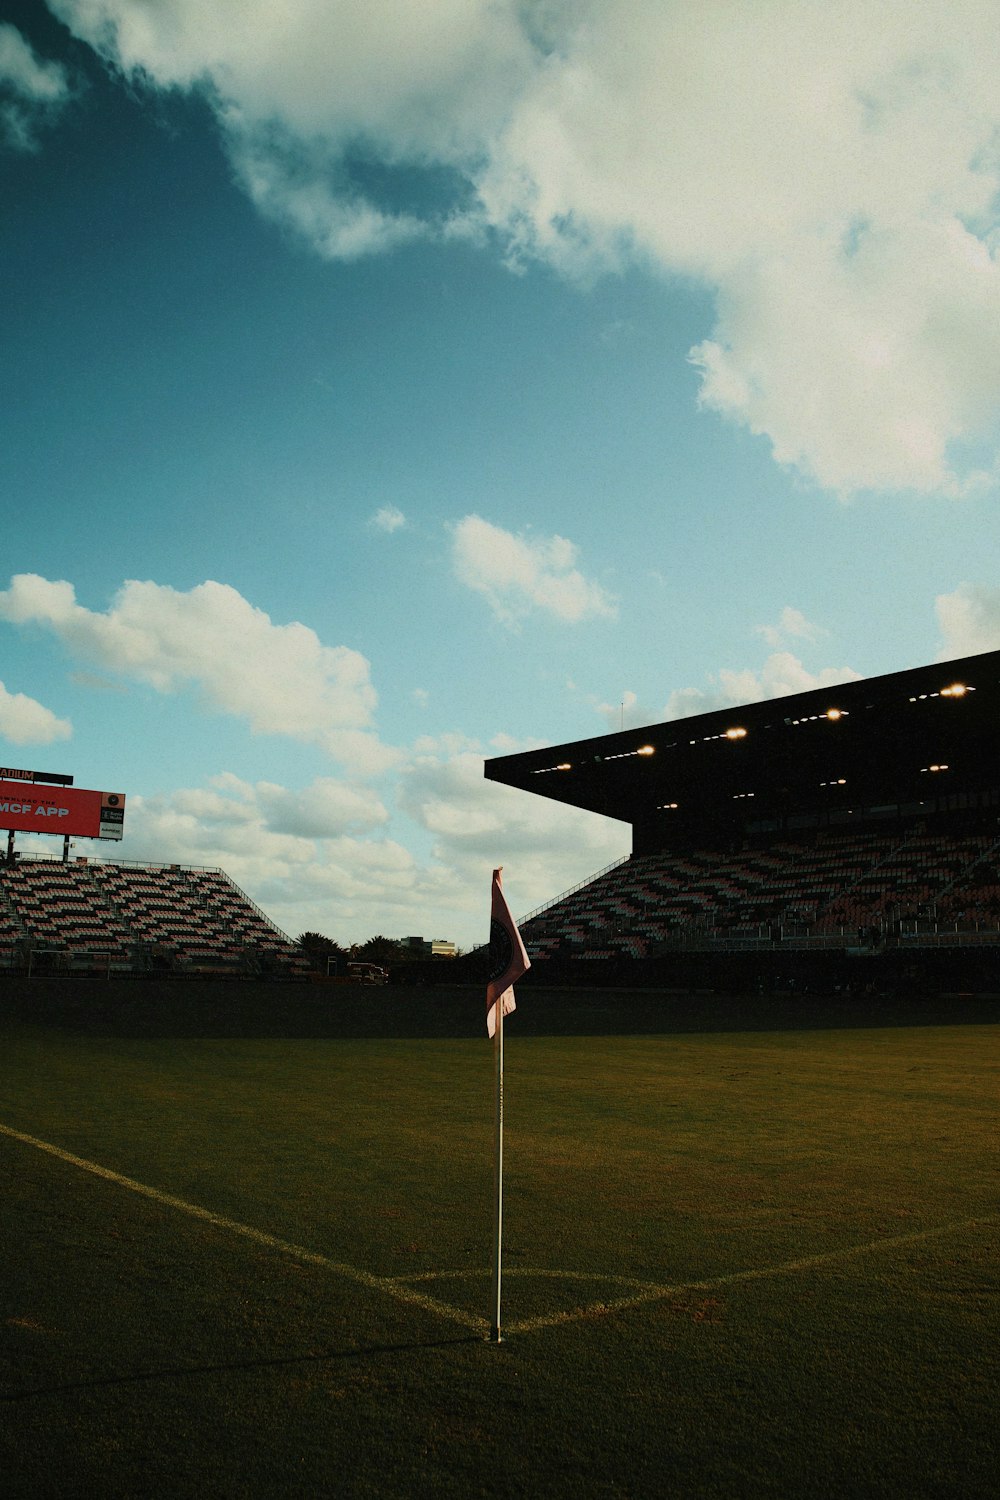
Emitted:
<point x="327" y="809"/>
<point x="830" y="172"/>
<point x="969" y="620"/>
<point x="517" y="574"/>
<point x="388" y="518"/>
<point x="23" y="721"/>
<point x="477" y="824"/>
<point x="32" y="90"/>
<point x="292" y="190"/>
<point x="627" y="713"/>
<point x="293" y="852"/>
<point x="280" y="678"/>
<point x="350" y="885"/>
<point x="781" y="674"/>
<point x="791" y="625"/>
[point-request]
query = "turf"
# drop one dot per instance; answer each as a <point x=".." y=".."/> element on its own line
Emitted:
<point x="757" y="1262"/>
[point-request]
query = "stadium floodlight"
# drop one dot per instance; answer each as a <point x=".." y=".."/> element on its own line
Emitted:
<point x="957" y="690"/>
<point x="834" y="713"/>
<point x="736" y="734"/>
<point x="646" y="750"/>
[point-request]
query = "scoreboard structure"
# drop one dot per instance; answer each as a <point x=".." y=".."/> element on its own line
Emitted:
<point x="44" y="802"/>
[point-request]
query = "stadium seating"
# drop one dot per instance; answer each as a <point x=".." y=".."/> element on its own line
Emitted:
<point x="133" y="918"/>
<point x="868" y="887"/>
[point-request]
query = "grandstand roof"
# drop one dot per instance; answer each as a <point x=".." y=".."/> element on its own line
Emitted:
<point x="908" y="741"/>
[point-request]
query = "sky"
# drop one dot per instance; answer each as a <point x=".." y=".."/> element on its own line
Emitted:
<point x="393" y="384"/>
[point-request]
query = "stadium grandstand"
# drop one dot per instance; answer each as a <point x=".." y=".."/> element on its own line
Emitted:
<point x="861" y="820"/>
<point x="88" y="917"/>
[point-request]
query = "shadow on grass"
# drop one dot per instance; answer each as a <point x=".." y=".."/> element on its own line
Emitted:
<point x="159" y="1010"/>
<point x="236" y="1366"/>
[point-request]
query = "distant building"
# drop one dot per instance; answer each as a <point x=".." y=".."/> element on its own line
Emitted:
<point x="430" y="947"/>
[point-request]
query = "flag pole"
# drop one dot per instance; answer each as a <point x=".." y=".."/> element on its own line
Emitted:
<point x="495" y="1334"/>
<point x="508" y="961"/>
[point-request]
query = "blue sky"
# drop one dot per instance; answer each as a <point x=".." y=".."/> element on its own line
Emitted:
<point x="389" y="385"/>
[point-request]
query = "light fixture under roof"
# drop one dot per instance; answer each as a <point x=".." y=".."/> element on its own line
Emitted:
<point x="955" y="690"/>
<point x="646" y="750"/>
<point x="736" y="733"/>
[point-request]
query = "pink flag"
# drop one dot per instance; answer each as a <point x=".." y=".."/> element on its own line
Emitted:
<point x="508" y="957"/>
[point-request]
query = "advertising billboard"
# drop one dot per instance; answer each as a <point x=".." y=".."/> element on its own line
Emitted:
<point x="33" y="807"/>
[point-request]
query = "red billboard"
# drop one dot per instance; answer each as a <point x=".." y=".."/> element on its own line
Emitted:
<point x="34" y="807"/>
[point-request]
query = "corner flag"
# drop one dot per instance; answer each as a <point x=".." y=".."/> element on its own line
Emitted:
<point x="508" y="961"/>
<point x="508" y="957"/>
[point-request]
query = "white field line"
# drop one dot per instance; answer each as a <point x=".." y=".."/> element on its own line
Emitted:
<point x="387" y="1285"/>
<point x="401" y="1288"/>
<point x="652" y="1293"/>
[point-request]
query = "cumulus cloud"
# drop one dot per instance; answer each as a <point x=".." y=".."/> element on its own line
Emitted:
<point x="23" y="721"/>
<point x="32" y="90"/>
<point x="627" y="713"/>
<point x="478" y="824"/>
<point x="829" y="171"/>
<point x="326" y="809"/>
<point x="281" y="679"/>
<point x="387" y="518"/>
<point x="302" y="855"/>
<point x="781" y="674"/>
<point x="320" y="858"/>
<point x="791" y="625"/>
<point x="295" y="191"/>
<point x="517" y="574"/>
<point x="969" y="620"/>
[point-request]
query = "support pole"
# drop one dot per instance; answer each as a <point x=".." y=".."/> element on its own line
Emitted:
<point x="495" y="1334"/>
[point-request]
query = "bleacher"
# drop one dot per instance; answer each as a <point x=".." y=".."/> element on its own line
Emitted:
<point x="904" y="886"/>
<point x="135" y="918"/>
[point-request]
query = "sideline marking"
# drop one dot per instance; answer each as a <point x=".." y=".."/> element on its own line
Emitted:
<point x="658" y="1293"/>
<point x="651" y="1291"/>
<point x="401" y="1287"/>
<point x="385" y="1284"/>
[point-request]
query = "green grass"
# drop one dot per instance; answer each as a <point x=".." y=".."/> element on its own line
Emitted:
<point x="145" y="1351"/>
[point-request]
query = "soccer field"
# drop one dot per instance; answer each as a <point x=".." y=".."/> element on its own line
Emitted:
<point x="761" y="1263"/>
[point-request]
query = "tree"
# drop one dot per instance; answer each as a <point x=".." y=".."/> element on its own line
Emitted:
<point x="379" y="950"/>
<point x="320" y="949"/>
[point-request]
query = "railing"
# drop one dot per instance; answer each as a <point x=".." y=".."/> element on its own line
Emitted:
<point x="572" y="890"/>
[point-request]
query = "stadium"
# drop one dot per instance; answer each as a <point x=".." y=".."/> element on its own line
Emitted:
<point x="119" y="918"/>
<point x="842" y="835"/>
<point x="751" y="1192"/>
